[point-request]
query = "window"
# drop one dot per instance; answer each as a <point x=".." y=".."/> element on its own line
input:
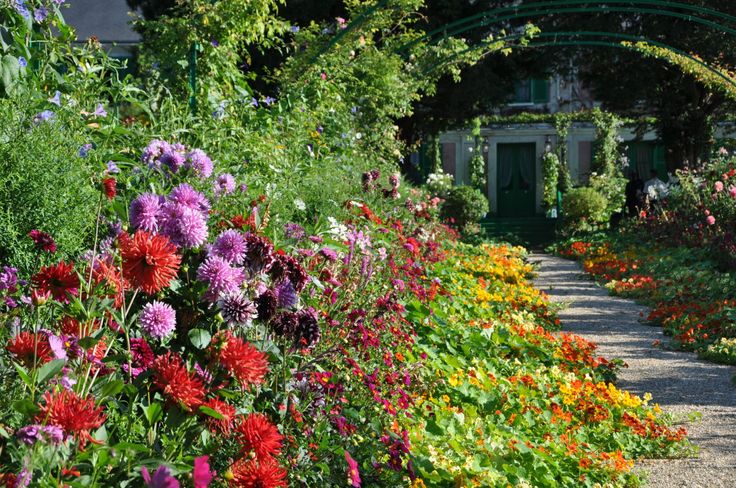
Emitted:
<point x="531" y="91"/>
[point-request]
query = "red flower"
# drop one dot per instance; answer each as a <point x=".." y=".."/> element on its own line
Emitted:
<point x="26" y="346"/>
<point x="43" y="240"/>
<point x="253" y="473"/>
<point x="109" y="185"/>
<point x="240" y="359"/>
<point x="74" y="415"/>
<point x="224" y="425"/>
<point x="176" y="383"/>
<point x="111" y="277"/>
<point x="256" y="433"/>
<point x="149" y="262"/>
<point x="58" y="280"/>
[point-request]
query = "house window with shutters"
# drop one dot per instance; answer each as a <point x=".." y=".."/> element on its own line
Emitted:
<point x="532" y="91"/>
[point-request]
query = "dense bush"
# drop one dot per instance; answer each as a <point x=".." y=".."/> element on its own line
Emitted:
<point x="464" y="206"/>
<point x="584" y="209"/>
<point x="44" y="183"/>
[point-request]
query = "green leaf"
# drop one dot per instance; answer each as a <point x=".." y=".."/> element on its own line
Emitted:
<point x="153" y="412"/>
<point x="26" y="407"/>
<point x="50" y="369"/>
<point x="9" y="71"/>
<point x="111" y="388"/>
<point x="199" y="338"/>
<point x="211" y="412"/>
<point x="23" y="374"/>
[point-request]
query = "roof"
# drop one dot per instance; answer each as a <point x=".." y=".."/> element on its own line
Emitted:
<point x="108" y="20"/>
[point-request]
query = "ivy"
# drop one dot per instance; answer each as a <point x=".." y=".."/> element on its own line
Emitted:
<point x="477" y="162"/>
<point x="551" y="171"/>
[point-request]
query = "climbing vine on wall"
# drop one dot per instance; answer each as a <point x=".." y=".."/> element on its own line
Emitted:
<point x="563" y="121"/>
<point x="477" y="162"/>
<point x="551" y="172"/>
<point x="607" y="177"/>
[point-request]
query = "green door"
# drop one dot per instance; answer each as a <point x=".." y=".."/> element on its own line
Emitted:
<point x="516" y="180"/>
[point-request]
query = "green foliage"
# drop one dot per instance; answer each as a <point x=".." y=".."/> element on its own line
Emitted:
<point x="44" y="184"/>
<point x="465" y="206"/>
<point x="607" y="152"/>
<point x="584" y="209"/>
<point x="477" y="162"/>
<point x="613" y="188"/>
<point x="551" y="173"/>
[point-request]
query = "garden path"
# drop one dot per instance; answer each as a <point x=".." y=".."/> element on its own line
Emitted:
<point x="678" y="381"/>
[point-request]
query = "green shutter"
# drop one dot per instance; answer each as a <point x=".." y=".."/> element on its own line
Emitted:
<point x="660" y="162"/>
<point x="540" y="90"/>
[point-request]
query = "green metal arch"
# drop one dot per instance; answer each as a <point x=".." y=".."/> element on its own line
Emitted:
<point x="585" y="34"/>
<point x="547" y="8"/>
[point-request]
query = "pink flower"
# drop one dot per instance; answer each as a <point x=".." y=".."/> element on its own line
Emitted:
<point x="202" y="475"/>
<point x="710" y="220"/>
<point x="732" y="191"/>
<point x="719" y="186"/>
<point x="353" y="473"/>
<point x="161" y="478"/>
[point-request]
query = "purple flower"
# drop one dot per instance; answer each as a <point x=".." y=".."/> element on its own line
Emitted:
<point x="236" y="309"/>
<point x="161" y="478"/>
<point x="199" y="163"/>
<point x="231" y="246"/>
<point x="185" y="226"/>
<point x="85" y="149"/>
<point x="214" y="42"/>
<point x="172" y="159"/>
<point x="44" y="116"/>
<point x="144" y="212"/>
<point x="22" y="62"/>
<point x="243" y="188"/>
<point x="158" y="319"/>
<point x="25" y="476"/>
<point x="254" y="102"/>
<point x="294" y="29"/>
<point x="221" y="277"/>
<point x="153" y="151"/>
<point x="286" y="294"/>
<point x="100" y="111"/>
<point x="187" y="196"/>
<point x="40" y="14"/>
<point x="8" y="278"/>
<point x="10" y="302"/>
<point x="20" y="7"/>
<point x="328" y="254"/>
<point x="225" y="184"/>
<point x="202" y="474"/>
<point x="203" y="374"/>
<point x="294" y="231"/>
<point x="268" y="101"/>
<point x="30" y="434"/>
<point x="112" y="168"/>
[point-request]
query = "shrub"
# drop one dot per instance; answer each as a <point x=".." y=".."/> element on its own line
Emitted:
<point x="44" y="184"/>
<point x="465" y="206"/>
<point x="584" y="209"/>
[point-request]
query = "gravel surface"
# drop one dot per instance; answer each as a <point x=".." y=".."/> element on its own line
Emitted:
<point x="678" y="381"/>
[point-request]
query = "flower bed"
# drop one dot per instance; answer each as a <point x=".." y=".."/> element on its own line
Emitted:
<point x="688" y="294"/>
<point x="188" y="348"/>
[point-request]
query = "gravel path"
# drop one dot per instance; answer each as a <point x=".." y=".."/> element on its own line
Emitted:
<point x="678" y="381"/>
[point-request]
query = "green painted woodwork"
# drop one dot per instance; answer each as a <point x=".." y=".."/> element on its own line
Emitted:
<point x="516" y="180"/>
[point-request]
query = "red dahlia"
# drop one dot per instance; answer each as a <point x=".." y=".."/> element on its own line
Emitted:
<point x="109" y="185"/>
<point x="240" y="359"/>
<point x="256" y="433"/>
<point x="111" y="277"/>
<point x="150" y="261"/>
<point x="74" y="415"/>
<point x="253" y="473"/>
<point x="26" y="346"/>
<point x="43" y="240"/>
<point x="225" y="424"/>
<point x="59" y="280"/>
<point x="176" y="383"/>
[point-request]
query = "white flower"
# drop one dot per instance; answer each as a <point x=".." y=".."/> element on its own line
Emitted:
<point x="300" y="205"/>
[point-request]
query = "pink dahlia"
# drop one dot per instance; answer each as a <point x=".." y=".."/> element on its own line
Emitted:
<point x="199" y="163"/>
<point x="187" y="196"/>
<point x="144" y="212"/>
<point x="158" y="319"/>
<point x="231" y="246"/>
<point x="221" y="277"/>
<point x="186" y="227"/>
<point x="224" y="185"/>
